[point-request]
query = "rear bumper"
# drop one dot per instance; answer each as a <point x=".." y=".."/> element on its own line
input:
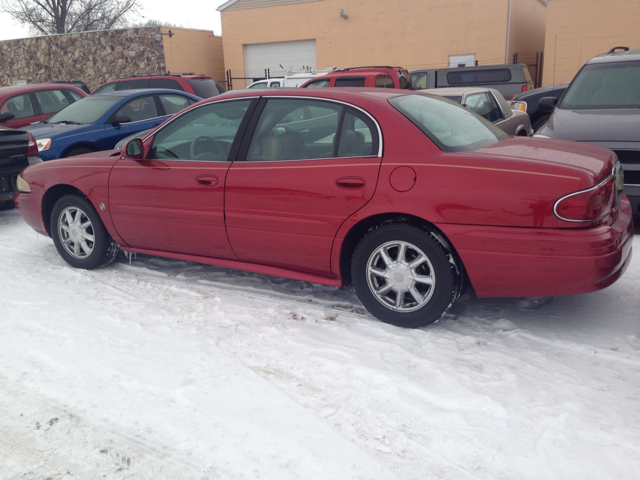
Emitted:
<point x="30" y="207"/>
<point x="525" y="262"/>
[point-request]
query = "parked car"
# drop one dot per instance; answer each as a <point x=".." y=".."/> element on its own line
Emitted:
<point x="406" y="196"/>
<point x="18" y="150"/>
<point x="528" y="102"/>
<point x="489" y="104"/>
<point x="76" y="83"/>
<point x="293" y="80"/>
<point x="509" y="79"/>
<point x="602" y="106"/>
<point x="21" y="105"/>
<point x="200" y="85"/>
<point x="382" y="77"/>
<point x="97" y="122"/>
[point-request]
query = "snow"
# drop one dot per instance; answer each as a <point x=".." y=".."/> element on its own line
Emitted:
<point x="166" y="369"/>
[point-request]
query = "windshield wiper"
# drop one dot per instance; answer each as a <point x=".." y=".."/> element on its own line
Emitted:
<point x="67" y="122"/>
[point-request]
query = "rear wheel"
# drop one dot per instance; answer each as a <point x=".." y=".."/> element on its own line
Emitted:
<point x="404" y="276"/>
<point x="79" y="235"/>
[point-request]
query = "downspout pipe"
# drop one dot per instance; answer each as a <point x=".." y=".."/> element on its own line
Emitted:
<point x="506" y="50"/>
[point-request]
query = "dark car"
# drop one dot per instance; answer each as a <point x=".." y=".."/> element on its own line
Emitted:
<point x="99" y="121"/>
<point x="18" y="150"/>
<point x="509" y="79"/>
<point x="407" y="197"/>
<point x="602" y="106"/>
<point x="199" y="85"/>
<point x="21" y="105"/>
<point x="528" y="102"/>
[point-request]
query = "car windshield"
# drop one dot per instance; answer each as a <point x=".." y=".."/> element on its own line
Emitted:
<point x="605" y="85"/>
<point x="87" y="110"/>
<point x="450" y="126"/>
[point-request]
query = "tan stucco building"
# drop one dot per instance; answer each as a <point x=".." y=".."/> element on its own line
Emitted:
<point x="287" y="35"/>
<point x="578" y="30"/>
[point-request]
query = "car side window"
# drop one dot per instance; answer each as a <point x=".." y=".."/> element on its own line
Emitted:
<point x="259" y="85"/>
<point x="358" y="136"/>
<point x="350" y="82"/>
<point x="496" y="111"/>
<point x="109" y="87"/>
<point x="20" y="106"/>
<point x="132" y="84"/>
<point x="318" y="84"/>
<point x="384" y="81"/>
<point x="140" y="108"/>
<point x="295" y="129"/>
<point x="479" y="103"/>
<point x="419" y="80"/>
<point x="165" y="83"/>
<point x="205" y="133"/>
<point x="51" y="101"/>
<point x="74" y="95"/>
<point x="173" y="103"/>
<point x="275" y="84"/>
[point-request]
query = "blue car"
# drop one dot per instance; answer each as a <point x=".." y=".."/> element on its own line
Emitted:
<point x="99" y="121"/>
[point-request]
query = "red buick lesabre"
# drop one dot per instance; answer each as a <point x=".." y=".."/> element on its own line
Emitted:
<point x="407" y="197"/>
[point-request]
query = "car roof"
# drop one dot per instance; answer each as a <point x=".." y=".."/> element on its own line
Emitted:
<point x="141" y="91"/>
<point x="187" y="76"/>
<point x="32" y="87"/>
<point x="623" y="56"/>
<point x="345" y="94"/>
<point x="454" y="90"/>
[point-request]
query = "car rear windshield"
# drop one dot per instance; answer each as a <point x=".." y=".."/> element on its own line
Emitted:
<point x="604" y="85"/>
<point x="205" y="88"/>
<point x="479" y="76"/>
<point x="450" y="126"/>
<point x="87" y="110"/>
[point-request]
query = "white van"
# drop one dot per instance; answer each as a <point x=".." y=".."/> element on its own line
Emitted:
<point x="294" y="80"/>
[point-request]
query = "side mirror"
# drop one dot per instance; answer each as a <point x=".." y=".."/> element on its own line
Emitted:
<point x="119" y="118"/>
<point x="133" y="149"/>
<point x="547" y="104"/>
<point x="6" y="116"/>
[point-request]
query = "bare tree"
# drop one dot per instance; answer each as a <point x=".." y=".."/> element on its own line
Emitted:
<point x="48" y="17"/>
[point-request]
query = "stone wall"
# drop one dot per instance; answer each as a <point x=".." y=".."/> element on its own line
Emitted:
<point x="95" y="57"/>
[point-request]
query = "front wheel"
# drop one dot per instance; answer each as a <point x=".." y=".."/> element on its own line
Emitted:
<point x="404" y="276"/>
<point x="79" y="235"/>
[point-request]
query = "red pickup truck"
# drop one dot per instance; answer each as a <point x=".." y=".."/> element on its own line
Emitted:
<point x="381" y="77"/>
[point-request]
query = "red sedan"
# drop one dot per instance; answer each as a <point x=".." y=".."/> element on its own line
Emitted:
<point x="407" y="197"/>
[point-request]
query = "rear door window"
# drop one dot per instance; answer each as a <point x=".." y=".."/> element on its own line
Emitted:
<point x="384" y="81"/>
<point x="350" y="82"/>
<point x="479" y="76"/>
<point x="165" y="83"/>
<point x="138" y="109"/>
<point x="132" y="84"/>
<point x="174" y="103"/>
<point x="52" y="101"/>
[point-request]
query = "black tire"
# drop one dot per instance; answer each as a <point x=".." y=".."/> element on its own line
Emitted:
<point x="412" y="313"/>
<point x="79" y="235"/>
<point x="78" y="151"/>
<point x="7" y="205"/>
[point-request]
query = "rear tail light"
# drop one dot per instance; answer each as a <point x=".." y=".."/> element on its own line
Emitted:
<point x="33" y="146"/>
<point x="592" y="204"/>
<point x="524" y="88"/>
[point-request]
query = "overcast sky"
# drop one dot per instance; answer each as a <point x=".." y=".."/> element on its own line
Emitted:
<point x="200" y="14"/>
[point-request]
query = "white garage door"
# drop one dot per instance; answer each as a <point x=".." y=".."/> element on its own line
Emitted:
<point x="280" y="58"/>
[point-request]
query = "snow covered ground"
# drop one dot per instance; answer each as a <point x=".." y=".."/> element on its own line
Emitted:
<point x="166" y="369"/>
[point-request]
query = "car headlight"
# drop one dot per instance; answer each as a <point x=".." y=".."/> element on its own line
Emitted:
<point x="43" y="144"/>
<point x="519" y="106"/>
<point x="22" y="185"/>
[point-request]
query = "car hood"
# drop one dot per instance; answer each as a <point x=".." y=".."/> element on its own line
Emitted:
<point x="55" y="130"/>
<point x="616" y="125"/>
<point x="590" y="161"/>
